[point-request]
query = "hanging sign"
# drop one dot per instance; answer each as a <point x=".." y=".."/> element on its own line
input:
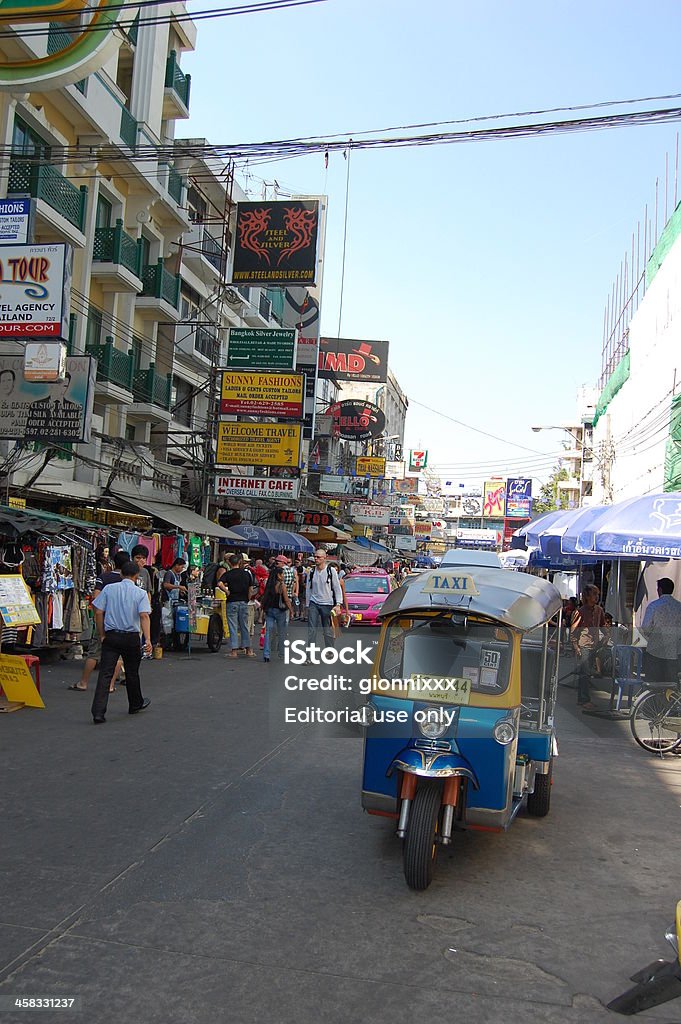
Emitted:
<point x="357" y="421"/>
<point x="258" y="444"/>
<point x="418" y="460"/>
<point x="15" y="216"/>
<point x="276" y="243"/>
<point x="292" y="517"/>
<point x="343" y="359"/>
<point x="250" y="348"/>
<point x="370" y="465"/>
<point x="35" y="290"/>
<point x="16" y="606"/>
<point x="257" y="487"/>
<point x="33" y="411"/>
<point x="251" y="393"/>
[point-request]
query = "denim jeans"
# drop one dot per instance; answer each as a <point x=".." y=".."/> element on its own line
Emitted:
<point x="320" y="614"/>
<point x="275" y="619"/>
<point x="237" y="620"/>
<point x="583" y="673"/>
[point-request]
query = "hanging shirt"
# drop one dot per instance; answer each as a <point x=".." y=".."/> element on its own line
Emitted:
<point x="150" y="544"/>
<point x="127" y="541"/>
<point x="168" y="550"/>
<point x="195" y="549"/>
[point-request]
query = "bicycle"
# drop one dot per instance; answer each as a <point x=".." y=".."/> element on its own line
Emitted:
<point x="656" y="719"/>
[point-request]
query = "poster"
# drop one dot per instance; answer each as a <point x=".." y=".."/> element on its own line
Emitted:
<point x="410" y="485"/>
<point x="350" y="486"/>
<point x="252" y="393"/>
<point x="357" y="421"/>
<point x="35" y="290"/>
<point x="34" y="411"/>
<point x="258" y="444"/>
<point x="343" y="359"/>
<point x="275" y="243"/>
<point x="518" y="498"/>
<point x="16" y="606"/>
<point x="494" y="499"/>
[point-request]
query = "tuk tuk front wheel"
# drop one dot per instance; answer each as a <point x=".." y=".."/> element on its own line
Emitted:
<point x="420" y="846"/>
<point x="539" y="802"/>
<point x="214" y="635"/>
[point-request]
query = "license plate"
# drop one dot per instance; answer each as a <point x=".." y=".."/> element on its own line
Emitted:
<point x="357" y="617"/>
<point x="440" y="689"/>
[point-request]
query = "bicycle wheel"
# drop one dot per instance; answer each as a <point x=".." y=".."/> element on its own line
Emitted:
<point x="656" y="721"/>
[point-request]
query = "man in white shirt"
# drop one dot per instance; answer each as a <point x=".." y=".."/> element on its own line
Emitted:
<point x="323" y="596"/>
<point x="661" y="627"/>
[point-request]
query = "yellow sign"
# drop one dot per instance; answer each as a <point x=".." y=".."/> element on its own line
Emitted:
<point x="16" y="606"/>
<point x="250" y="393"/>
<point x="258" y="444"/>
<point x="17" y="502"/>
<point x="444" y="581"/>
<point x="370" y="465"/>
<point x="17" y="681"/>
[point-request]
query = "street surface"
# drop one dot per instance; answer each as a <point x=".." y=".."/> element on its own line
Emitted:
<point x="201" y="862"/>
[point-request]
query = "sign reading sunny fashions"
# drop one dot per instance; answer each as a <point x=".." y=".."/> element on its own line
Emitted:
<point x="57" y="412"/>
<point x="370" y="465"/>
<point x="418" y="460"/>
<point x="494" y="499"/>
<point x="15" y="216"/>
<point x="518" y="498"/>
<point x="249" y="348"/>
<point x="276" y="243"/>
<point x="357" y="421"/>
<point x="343" y="359"/>
<point x="35" y="290"/>
<point x="252" y="393"/>
<point x="257" y="487"/>
<point x="258" y="444"/>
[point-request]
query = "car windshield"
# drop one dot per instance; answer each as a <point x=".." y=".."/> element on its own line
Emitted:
<point x="366" y="585"/>
<point x="442" y="648"/>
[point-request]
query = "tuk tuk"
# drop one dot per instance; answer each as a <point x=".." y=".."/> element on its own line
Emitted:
<point x="459" y="727"/>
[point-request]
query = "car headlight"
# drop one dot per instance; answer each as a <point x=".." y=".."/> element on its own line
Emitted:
<point x="504" y="733"/>
<point x="432" y="726"/>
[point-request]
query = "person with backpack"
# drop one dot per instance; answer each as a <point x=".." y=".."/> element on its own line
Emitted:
<point x="324" y="596"/>
<point x="276" y="604"/>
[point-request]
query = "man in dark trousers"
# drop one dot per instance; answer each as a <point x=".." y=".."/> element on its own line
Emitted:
<point x="122" y="611"/>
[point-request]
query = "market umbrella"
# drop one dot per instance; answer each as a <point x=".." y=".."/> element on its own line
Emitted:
<point x="254" y="537"/>
<point x="646" y="527"/>
<point x="531" y="532"/>
<point x="291" y="541"/>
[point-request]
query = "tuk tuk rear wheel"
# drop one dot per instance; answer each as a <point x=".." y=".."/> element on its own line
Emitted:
<point x="215" y="633"/>
<point x="420" y="846"/>
<point x="539" y="802"/>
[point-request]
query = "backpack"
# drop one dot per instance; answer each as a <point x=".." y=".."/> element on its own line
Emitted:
<point x="209" y="575"/>
<point x="329" y="580"/>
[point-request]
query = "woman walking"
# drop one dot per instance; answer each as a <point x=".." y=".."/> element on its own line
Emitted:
<point x="275" y="603"/>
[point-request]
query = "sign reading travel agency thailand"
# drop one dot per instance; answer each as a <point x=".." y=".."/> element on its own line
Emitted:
<point x="35" y="290"/>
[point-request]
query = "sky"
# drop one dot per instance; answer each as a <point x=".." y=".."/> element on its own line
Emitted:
<point x="485" y="265"/>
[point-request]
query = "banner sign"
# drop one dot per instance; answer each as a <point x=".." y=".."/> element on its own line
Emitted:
<point x="15" y="216"/>
<point x="370" y="515"/>
<point x="476" y="538"/>
<point x="394" y="470"/>
<point x="339" y="486"/>
<point x="518" y="498"/>
<point x="342" y="359"/>
<point x="357" y="421"/>
<point x="35" y="290"/>
<point x="258" y="444"/>
<point x="257" y="487"/>
<point x="293" y="517"/>
<point x="370" y="465"/>
<point x="494" y="499"/>
<point x="418" y="460"/>
<point x="16" y="606"/>
<point x="409" y="485"/>
<point x="251" y="393"/>
<point x="34" y="411"/>
<point x="423" y="531"/>
<point x="276" y="243"/>
<point x="250" y="348"/>
<point x="471" y="504"/>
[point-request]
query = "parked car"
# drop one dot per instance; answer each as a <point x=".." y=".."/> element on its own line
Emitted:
<point x="366" y="590"/>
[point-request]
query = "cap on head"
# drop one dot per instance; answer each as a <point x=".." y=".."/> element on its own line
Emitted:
<point x="281" y="560"/>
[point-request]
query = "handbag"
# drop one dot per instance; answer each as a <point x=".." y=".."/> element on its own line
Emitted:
<point x="167" y="619"/>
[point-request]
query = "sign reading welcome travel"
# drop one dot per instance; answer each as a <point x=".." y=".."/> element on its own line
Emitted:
<point x="276" y="243"/>
<point x="251" y="393"/>
<point x="258" y="444"/>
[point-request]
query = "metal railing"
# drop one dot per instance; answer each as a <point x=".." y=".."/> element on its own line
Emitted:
<point x="153" y="388"/>
<point x="115" y="245"/>
<point x="157" y="282"/>
<point x="204" y="342"/>
<point x="42" y="181"/>
<point x="129" y="128"/>
<point x="176" y="79"/>
<point x="113" y="365"/>
<point x="213" y="251"/>
<point x="175" y="185"/>
<point x="265" y="307"/>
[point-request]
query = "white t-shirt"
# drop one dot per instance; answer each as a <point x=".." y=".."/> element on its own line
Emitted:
<point x="324" y="587"/>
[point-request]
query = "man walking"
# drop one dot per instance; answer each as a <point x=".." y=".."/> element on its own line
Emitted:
<point x="239" y="584"/>
<point x="323" y="597"/>
<point x="122" y="611"/>
<point x="585" y="628"/>
<point x="661" y="627"/>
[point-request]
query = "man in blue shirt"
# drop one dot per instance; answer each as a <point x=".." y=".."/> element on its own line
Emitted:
<point x="122" y="611"/>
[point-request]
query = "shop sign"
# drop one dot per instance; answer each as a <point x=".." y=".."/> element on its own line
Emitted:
<point x="276" y="243"/>
<point x="370" y="515"/>
<point x="394" y="470"/>
<point x="370" y="465"/>
<point x="494" y="499"/>
<point x="406" y="544"/>
<point x="251" y="393"/>
<point x="337" y="486"/>
<point x="34" y="411"/>
<point x="258" y="444"/>
<point x="45" y="361"/>
<point x="16" y="606"/>
<point x="293" y="517"/>
<point x="471" y="504"/>
<point x="357" y="421"/>
<point x="257" y="487"/>
<point x="518" y="498"/>
<point x="343" y="359"/>
<point x="35" y="290"/>
<point x="423" y="531"/>
<point x="16" y="502"/>
<point x="250" y="348"/>
<point x="418" y="460"/>
<point x="15" y="217"/>
<point x="409" y="485"/>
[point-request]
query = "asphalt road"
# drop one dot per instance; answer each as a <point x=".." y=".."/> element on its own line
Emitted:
<point x="202" y="862"/>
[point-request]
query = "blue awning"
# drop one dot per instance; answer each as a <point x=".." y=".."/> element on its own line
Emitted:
<point x="372" y="545"/>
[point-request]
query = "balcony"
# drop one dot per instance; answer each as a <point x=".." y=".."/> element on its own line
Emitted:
<point x="257" y="314"/>
<point x="117" y="259"/>
<point x="115" y="371"/>
<point x="160" y="298"/>
<point x="128" y="129"/>
<point x="201" y="247"/>
<point x="58" y="38"/>
<point x="151" y="395"/>
<point x="176" y="91"/>
<point x="55" y="195"/>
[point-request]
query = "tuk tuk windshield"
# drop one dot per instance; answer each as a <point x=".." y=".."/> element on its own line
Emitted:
<point x="445" y="648"/>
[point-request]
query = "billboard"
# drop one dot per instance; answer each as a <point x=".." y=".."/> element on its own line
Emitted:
<point x="343" y="486"/>
<point x="258" y="444"/>
<point x="357" y="421"/>
<point x="370" y="515"/>
<point x="370" y="465"/>
<point x="35" y="290"/>
<point x="494" y="499"/>
<point x="275" y="243"/>
<point x="36" y="411"/>
<point x="343" y="359"/>
<point x="251" y="393"/>
<point x="418" y="460"/>
<point x="518" y="498"/>
<point x="15" y="216"/>
<point x="395" y="470"/>
<point x="423" y="531"/>
<point x="410" y="485"/>
<point x="257" y="487"/>
<point x="250" y="348"/>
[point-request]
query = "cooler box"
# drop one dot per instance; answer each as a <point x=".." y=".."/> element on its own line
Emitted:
<point x="182" y="619"/>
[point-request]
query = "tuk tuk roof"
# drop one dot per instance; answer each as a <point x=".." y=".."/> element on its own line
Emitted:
<point x="512" y="598"/>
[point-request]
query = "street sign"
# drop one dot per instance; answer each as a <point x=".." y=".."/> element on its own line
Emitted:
<point x="370" y="465"/>
<point x="252" y="393"/>
<point x="250" y="348"/>
<point x="258" y="444"/>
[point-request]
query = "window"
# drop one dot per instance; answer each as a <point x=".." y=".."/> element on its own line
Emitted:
<point x="93" y="334"/>
<point x="146" y="251"/>
<point x="27" y="142"/>
<point x="181" y="401"/>
<point x="190" y="303"/>
<point x="104" y="212"/>
<point x="197" y="206"/>
<point x="129" y="432"/>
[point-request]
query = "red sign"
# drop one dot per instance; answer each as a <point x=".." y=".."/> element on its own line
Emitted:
<point x="295" y="518"/>
<point x="343" y="359"/>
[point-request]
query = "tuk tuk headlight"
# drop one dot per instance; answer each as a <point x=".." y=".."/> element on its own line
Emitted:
<point x="504" y="732"/>
<point x="432" y="725"/>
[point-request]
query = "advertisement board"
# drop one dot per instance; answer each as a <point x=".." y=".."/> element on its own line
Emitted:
<point x="494" y="499"/>
<point x="251" y="393"/>
<point x="36" y="411"/>
<point x="418" y="460"/>
<point x="356" y="421"/>
<point x="275" y="243"/>
<point x="258" y="444"/>
<point x="472" y="538"/>
<point x="370" y="465"/>
<point x="256" y="487"/>
<point x="370" y="515"/>
<point x="35" y="290"/>
<point x="518" y="498"/>
<point x="423" y="531"/>
<point x="410" y="485"/>
<point x="406" y="544"/>
<point x="394" y="470"/>
<point x="339" y="486"/>
<point x="343" y="359"/>
<point x="249" y="348"/>
<point x="15" y="217"/>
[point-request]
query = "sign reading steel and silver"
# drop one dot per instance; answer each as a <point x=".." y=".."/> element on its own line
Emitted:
<point x="276" y="243"/>
<point x="250" y="348"/>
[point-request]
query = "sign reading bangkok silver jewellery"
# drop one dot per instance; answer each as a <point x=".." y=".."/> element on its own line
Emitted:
<point x="250" y="348"/>
<point x="35" y="290"/>
<point x="36" y="411"/>
<point x="257" y="487"/>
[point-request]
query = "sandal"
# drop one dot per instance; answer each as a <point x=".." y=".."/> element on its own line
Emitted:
<point x="233" y="654"/>
<point x="589" y="706"/>
<point x="250" y="653"/>
<point x="80" y="689"/>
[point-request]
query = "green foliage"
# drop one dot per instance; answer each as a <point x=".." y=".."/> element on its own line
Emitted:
<point x="550" y="498"/>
